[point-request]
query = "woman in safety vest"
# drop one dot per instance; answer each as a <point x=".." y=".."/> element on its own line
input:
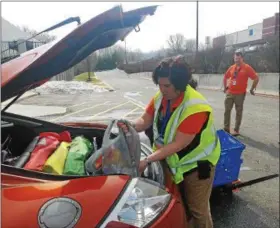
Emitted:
<point x="184" y="135"/>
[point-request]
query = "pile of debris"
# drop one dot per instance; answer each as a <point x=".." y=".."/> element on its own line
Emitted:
<point x="69" y="87"/>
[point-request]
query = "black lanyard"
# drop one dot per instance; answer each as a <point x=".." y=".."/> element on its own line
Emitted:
<point x="165" y="119"/>
<point x="236" y="72"/>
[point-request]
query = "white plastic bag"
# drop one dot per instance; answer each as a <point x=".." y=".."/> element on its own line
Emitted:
<point x="120" y="154"/>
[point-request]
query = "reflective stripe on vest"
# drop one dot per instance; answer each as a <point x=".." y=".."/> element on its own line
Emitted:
<point x="207" y="151"/>
<point x="174" y="125"/>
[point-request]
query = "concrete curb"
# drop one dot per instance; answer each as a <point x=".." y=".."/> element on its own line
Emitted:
<point x="31" y="94"/>
<point x="257" y="94"/>
<point x="107" y="86"/>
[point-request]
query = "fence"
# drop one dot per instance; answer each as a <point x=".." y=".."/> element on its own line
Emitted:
<point x="268" y="84"/>
<point x="12" y="49"/>
<point x="65" y="76"/>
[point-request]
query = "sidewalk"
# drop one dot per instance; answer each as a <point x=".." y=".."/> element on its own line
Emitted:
<point x="36" y="111"/>
<point x="24" y="96"/>
<point x="33" y="110"/>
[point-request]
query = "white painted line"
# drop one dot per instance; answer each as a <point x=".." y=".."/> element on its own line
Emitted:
<point x="127" y="114"/>
<point x="81" y="110"/>
<point x="110" y="109"/>
<point x="245" y="169"/>
<point x="135" y="101"/>
<point x="138" y="113"/>
<point x="145" y="78"/>
<point x="80" y="104"/>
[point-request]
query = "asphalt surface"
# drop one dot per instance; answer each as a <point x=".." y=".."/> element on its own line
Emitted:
<point x="255" y="206"/>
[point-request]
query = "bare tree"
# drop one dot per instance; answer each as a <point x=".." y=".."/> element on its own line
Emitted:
<point x="44" y="37"/>
<point x="190" y="45"/>
<point x="177" y="43"/>
<point x="271" y="54"/>
<point x="216" y="54"/>
<point x="87" y="65"/>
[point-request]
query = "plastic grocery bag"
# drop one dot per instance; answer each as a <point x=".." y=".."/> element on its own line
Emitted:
<point x="23" y="159"/>
<point x="47" y="144"/>
<point x="120" y="155"/>
<point x="55" y="163"/>
<point x="45" y="147"/>
<point x="79" y="151"/>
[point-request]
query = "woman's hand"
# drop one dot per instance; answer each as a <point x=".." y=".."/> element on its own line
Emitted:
<point x="142" y="166"/>
<point x="123" y="126"/>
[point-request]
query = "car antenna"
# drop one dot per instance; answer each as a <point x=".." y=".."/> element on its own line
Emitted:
<point x="65" y="22"/>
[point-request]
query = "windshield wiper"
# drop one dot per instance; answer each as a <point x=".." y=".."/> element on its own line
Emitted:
<point x="15" y="99"/>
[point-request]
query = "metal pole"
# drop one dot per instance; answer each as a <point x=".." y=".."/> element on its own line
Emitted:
<point x="125" y="52"/>
<point x="196" y="27"/>
<point x="89" y="67"/>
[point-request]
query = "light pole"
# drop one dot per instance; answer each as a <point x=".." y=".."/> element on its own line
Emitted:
<point x="125" y="54"/>
<point x="196" y="27"/>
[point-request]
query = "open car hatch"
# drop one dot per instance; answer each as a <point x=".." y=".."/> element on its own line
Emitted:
<point x="33" y="68"/>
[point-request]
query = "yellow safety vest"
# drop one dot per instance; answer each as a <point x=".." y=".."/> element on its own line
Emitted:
<point x="209" y="147"/>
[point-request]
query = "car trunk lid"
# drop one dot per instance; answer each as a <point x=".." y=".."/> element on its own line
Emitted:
<point x="35" y="67"/>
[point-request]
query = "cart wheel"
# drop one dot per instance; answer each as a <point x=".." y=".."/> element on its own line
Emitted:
<point x="218" y="192"/>
<point x="220" y="195"/>
<point x="228" y="191"/>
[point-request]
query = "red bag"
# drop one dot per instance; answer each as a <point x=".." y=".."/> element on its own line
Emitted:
<point x="65" y="136"/>
<point x="48" y="142"/>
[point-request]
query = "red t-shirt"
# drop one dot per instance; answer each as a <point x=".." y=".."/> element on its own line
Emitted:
<point x="191" y="125"/>
<point x="243" y="73"/>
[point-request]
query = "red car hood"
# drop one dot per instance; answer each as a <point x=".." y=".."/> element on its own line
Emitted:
<point x="22" y="204"/>
<point x="35" y="67"/>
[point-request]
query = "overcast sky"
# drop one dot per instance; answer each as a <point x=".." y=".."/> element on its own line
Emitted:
<point x="179" y="17"/>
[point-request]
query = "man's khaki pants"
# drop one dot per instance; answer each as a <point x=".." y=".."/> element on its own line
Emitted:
<point x="197" y="195"/>
<point x="238" y="101"/>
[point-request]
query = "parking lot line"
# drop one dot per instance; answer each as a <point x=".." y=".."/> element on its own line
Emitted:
<point x="81" y="110"/>
<point x="146" y="78"/>
<point x="110" y="109"/>
<point x="130" y="112"/>
<point x="79" y="104"/>
<point x="135" y="103"/>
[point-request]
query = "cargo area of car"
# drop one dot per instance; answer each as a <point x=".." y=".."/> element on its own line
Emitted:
<point x="21" y="136"/>
<point x="17" y="135"/>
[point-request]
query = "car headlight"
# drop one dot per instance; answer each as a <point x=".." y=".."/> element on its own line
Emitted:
<point x="140" y="204"/>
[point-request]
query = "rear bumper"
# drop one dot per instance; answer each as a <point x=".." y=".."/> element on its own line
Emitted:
<point x="173" y="216"/>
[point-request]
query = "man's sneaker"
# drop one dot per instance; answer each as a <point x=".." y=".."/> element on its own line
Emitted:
<point x="235" y="133"/>
<point x="226" y="130"/>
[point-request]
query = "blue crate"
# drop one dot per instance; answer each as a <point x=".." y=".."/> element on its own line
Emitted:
<point x="228" y="167"/>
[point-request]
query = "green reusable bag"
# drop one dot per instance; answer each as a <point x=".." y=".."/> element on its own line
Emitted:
<point x="79" y="151"/>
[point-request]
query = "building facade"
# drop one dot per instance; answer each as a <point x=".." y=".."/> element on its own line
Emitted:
<point x="254" y="35"/>
<point x="13" y="41"/>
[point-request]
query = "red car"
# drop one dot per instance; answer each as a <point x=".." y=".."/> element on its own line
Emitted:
<point x="36" y="199"/>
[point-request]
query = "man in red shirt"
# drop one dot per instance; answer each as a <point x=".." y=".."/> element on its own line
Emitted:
<point x="235" y="87"/>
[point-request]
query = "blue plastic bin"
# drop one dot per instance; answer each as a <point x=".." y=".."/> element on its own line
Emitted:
<point x="228" y="167"/>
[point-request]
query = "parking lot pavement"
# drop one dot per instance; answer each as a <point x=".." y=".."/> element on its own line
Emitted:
<point x="91" y="108"/>
<point x="255" y="206"/>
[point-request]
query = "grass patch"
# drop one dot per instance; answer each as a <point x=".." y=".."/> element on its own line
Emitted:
<point x="83" y="77"/>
